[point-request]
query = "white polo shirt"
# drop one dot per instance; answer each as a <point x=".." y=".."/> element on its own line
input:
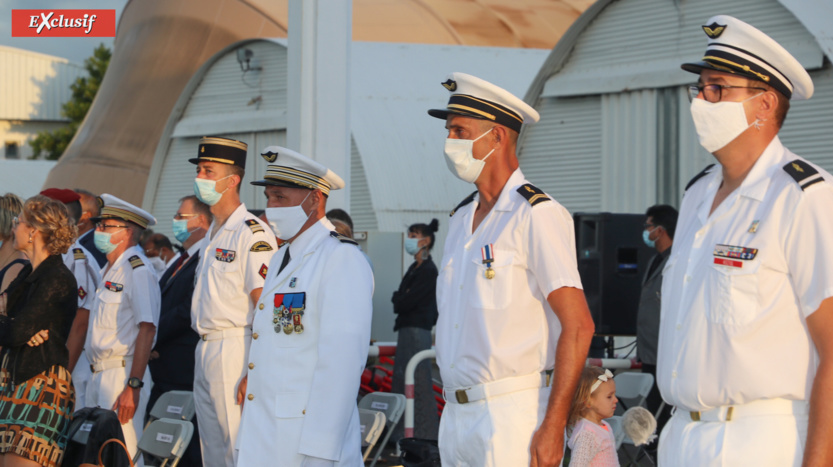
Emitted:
<point x="127" y="295"/>
<point x="490" y="329"/>
<point x="86" y="271"/>
<point x="233" y="263"/>
<point x="740" y="284"/>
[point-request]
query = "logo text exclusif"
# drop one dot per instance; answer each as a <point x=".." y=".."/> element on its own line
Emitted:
<point x="63" y="23"/>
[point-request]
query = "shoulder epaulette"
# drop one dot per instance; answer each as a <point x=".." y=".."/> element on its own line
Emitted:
<point x="136" y="262"/>
<point x="342" y="238"/>
<point x="803" y="173"/>
<point x="466" y="201"/>
<point x="533" y="194"/>
<point x="698" y="176"/>
<point x="78" y="253"/>
<point x="254" y="225"/>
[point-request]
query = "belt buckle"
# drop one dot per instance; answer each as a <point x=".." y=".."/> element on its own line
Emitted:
<point x="461" y="396"/>
<point x="92" y="368"/>
<point x="205" y="337"/>
<point x="695" y="416"/>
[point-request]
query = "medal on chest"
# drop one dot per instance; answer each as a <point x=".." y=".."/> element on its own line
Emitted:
<point x="288" y="311"/>
<point x="488" y="258"/>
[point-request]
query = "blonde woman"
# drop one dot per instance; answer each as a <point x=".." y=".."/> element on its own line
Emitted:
<point x="36" y="393"/>
<point x="11" y="260"/>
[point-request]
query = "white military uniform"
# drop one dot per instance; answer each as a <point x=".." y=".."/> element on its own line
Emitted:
<point x="495" y="336"/>
<point x="302" y="386"/>
<point x="737" y="291"/>
<point x="233" y="264"/>
<point x="87" y="275"/>
<point x="127" y="295"/>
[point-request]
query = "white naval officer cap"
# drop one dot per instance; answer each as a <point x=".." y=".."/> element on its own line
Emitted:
<point x="477" y="98"/>
<point x="739" y="48"/>
<point x="115" y="208"/>
<point x="291" y="169"/>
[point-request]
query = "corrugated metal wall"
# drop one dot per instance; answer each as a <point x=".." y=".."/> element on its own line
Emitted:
<point x="562" y="153"/>
<point x="33" y="86"/>
<point x="361" y="204"/>
<point x="808" y="130"/>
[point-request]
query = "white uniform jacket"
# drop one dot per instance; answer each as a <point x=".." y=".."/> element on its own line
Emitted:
<point x="86" y="271"/>
<point x="302" y="386"/>
<point x="741" y="282"/>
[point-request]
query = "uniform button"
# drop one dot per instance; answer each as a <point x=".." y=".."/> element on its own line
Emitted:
<point x="304" y="412"/>
<point x="679" y="326"/>
<point x="260" y="307"/>
<point x="452" y="365"/>
<point x="673" y="375"/>
<point x="251" y="366"/>
<point x="688" y="278"/>
<point x="456" y="326"/>
<point x="461" y="286"/>
<point x="254" y="336"/>
<point x="251" y="396"/>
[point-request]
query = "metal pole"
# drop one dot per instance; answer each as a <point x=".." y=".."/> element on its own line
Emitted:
<point x="409" y="388"/>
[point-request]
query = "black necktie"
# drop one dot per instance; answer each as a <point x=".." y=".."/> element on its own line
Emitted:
<point x="285" y="260"/>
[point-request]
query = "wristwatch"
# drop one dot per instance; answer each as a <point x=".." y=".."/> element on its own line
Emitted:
<point x="135" y="383"/>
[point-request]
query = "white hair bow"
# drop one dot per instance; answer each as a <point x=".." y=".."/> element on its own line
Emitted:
<point x="601" y="379"/>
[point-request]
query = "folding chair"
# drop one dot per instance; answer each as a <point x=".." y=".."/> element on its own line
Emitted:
<point x="176" y="405"/>
<point x="632" y="390"/>
<point x="164" y="440"/>
<point x="392" y="405"/>
<point x="371" y="423"/>
<point x="615" y="423"/>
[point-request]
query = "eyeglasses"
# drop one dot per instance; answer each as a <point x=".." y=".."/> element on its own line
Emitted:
<point x="713" y="92"/>
<point x="104" y="227"/>
<point x="178" y="216"/>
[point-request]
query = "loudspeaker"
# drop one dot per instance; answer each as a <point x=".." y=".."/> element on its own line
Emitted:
<point x="612" y="260"/>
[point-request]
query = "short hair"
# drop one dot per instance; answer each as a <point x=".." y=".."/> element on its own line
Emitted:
<point x="89" y="202"/>
<point x="74" y="210"/>
<point x="426" y="230"/>
<point x="665" y="216"/>
<point x="200" y="208"/>
<point x="340" y="215"/>
<point x="342" y="227"/>
<point x="236" y="170"/>
<point x="51" y="219"/>
<point x="144" y="234"/>
<point x="10" y="207"/>
<point x="159" y="241"/>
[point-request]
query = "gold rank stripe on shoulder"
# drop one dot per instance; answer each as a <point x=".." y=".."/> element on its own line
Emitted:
<point x="78" y="253"/>
<point x="261" y="246"/>
<point x="803" y="173"/>
<point x="136" y="262"/>
<point x="254" y="225"/>
<point x="342" y="238"/>
<point x="533" y="194"/>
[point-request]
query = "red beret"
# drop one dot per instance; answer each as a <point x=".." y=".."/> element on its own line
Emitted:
<point x="61" y="194"/>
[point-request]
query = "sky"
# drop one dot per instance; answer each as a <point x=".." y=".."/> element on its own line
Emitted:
<point x="75" y="49"/>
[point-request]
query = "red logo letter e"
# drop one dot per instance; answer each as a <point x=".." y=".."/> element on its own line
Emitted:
<point x="63" y="23"/>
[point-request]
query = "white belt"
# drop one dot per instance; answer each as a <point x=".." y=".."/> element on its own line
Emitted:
<point x="110" y="363"/>
<point x="496" y="388"/>
<point x="230" y="332"/>
<point x="755" y="408"/>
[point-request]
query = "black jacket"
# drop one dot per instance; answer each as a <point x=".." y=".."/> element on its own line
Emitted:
<point x="175" y="340"/>
<point x="45" y="298"/>
<point x="415" y="303"/>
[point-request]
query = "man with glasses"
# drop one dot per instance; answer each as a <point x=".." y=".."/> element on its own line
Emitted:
<point x="746" y="337"/>
<point x="123" y="318"/>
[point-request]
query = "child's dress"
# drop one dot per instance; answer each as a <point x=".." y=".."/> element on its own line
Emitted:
<point x="592" y="445"/>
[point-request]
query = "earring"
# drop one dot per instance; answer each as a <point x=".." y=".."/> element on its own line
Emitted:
<point x="30" y="236"/>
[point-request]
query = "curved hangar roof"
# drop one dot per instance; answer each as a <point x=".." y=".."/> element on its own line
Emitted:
<point x="160" y="44"/>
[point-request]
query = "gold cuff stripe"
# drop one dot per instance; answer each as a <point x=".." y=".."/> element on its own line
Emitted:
<point x="124" y="214"/>
<point x="224" y="142"/>
<point x="472" y="110"/>
<point x="745" y="68"/>
<point x="503" y="111"/>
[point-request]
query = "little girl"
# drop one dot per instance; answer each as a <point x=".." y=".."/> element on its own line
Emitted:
<point x="591" y="440"/>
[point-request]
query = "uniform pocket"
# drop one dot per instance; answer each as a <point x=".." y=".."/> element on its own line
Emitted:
<point x="107" y="317"/>
<point x="290" y="404"/>
<point x="494" y="293"/>
<point x="734" y="294"/>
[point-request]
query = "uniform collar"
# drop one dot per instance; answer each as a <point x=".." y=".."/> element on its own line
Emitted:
<point x="505" y="201"/>
<point x="316" y="231"/>
<point x="236" y="217"/>
<point x="757" y="180"/>
<point x="128" y="253"/>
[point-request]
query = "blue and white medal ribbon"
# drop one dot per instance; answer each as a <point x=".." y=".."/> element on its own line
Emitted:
<point x="488" y="258"/>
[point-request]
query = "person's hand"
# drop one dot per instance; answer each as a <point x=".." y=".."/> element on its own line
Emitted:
<point x="126" y="404"/>
<point x="547" y="447"/>
<point x="241" y="391"/>
<point x="154" y="355"/>
<point x="39" y="338"/>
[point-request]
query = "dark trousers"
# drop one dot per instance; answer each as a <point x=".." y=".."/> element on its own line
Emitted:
<point x="654" y="399"/>
<point x="192" y="456"/>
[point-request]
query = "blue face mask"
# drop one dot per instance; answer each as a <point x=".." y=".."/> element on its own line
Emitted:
<point x="180" y="228"/>
<point x="646" y="237"/>
<point x="102" y="242"/>
<point x="206" y="190"/>
<point x="411" y="245"/>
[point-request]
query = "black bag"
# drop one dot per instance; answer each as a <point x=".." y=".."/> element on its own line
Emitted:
<point x="418" y="452"/>
<point x="101" y="425"/>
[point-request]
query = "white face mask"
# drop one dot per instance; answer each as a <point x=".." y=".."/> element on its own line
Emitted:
<point x="461" y="161"/>
<point x="719" y="123"/>
<point x="158" y="264"/>
<point x="287" y="222"/>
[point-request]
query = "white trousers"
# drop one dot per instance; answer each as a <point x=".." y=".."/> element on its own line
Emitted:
<point x="762" y="441"/>
<point x="495" y="432"/>
<point x="220" y="365"/>
<point x="103" y="390"/>
<point x="81" y="377"/>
